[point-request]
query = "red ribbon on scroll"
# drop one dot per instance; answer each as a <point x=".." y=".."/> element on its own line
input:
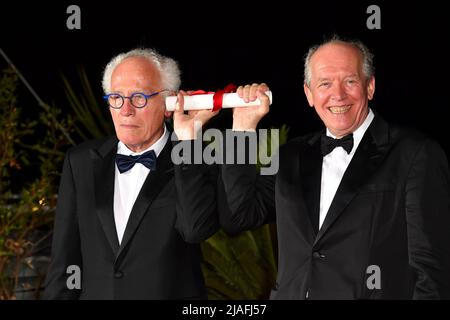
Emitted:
<point x="218" y="95"/>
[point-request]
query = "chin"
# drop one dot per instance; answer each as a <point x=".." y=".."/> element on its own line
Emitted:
<point x="339" y="130"/>
<point x="341" y="124"/>
<point x="131" y="141"/>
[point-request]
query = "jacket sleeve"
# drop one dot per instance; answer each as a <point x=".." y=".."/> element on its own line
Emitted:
<point x="66" y="240"/>
<point x="250" y="196"/>
<point x="196" y="199"/>
<point x="428" y="221"/>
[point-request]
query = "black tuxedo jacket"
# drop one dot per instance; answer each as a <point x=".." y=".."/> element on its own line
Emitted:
<point x="159" y="257"/>
<point x="391" y="211"/>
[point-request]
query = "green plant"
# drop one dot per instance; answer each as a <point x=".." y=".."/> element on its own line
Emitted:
<point x="26" y="215"/>
<point x="239" y="267"/>
<point x="243" y="266"/>
<point x="92" y="119"/>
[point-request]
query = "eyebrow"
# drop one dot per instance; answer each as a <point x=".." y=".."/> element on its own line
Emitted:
<point x="323" y="79"/>
<point x="353" y="75"/>
<point x="139" y="90"/>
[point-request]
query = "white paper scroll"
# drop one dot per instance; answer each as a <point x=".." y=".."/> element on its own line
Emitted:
<point x="205" y="101"/>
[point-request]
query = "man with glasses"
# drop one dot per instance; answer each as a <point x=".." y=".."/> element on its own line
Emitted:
<point x="119" y="222"/>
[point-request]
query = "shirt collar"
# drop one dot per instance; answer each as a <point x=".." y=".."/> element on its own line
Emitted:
<point x="158" y="146"/>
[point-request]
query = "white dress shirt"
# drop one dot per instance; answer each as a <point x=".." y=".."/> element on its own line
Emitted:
<point x="127" y="185"/>
<point x="334" y="165"/>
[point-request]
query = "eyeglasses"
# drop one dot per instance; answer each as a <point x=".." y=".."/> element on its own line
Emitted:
<point x="137" y="99"/>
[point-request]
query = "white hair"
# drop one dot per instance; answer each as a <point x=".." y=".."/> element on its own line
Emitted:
<point x="168" y="68"/>
<point x="367" y="57"/>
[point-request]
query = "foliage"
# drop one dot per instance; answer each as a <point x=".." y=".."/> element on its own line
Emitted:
<point x="26" y="215"/>
<point x="91" y="121"/>
<point x="243" y="266"/>
<point x="239" y="267"/>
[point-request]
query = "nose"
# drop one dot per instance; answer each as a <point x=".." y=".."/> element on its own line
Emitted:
<point x="338" y="92"/>
<point x="127" y="108"/>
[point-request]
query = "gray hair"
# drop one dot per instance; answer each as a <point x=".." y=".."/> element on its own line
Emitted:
<point x="367" y="64"/>
<point x="168" y="68"/>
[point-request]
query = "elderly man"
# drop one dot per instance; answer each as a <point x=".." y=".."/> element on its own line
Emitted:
<point x="119" y="220"/>
<point x="363" y="207"/>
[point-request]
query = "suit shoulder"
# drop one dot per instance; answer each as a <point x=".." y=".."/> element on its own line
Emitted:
<point x="81" y="149"/>
<point x="299" y="142"/>
<point x="411" y="140"/>
<point x="409" y="136"/>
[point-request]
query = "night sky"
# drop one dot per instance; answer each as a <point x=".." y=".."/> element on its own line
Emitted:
<point x="217" y="43"/>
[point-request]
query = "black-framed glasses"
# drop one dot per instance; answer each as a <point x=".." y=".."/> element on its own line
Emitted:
<point x="137" y="99"/>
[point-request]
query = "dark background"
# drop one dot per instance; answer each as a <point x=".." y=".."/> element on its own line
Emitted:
<point x="217" y="43"/>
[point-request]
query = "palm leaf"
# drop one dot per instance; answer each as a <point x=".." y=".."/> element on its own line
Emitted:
<point x="91" y="121"/>
<point x="243" y="266"/>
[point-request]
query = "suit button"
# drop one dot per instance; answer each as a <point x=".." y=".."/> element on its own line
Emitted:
<point x="118" y="275"/>
<point x="318" y="255"/>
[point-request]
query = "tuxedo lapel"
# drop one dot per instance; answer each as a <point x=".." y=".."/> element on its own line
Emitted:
<point x="369" y="155"/>
<point x="152" y="186"/>
<point x="311" y="172"/>
<point x="104" y="171"/>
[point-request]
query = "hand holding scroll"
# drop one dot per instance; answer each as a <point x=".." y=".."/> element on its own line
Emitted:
<point x="184" y="124"/>
<point x="246" y="119"/>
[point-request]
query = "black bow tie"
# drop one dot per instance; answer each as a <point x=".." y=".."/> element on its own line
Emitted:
<point x="125" y="163"/>
<point x="327" y="144"/>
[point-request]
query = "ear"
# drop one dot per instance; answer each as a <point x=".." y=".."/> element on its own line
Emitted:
<point x="371" y="88"/>
<point x="308" y="94"/>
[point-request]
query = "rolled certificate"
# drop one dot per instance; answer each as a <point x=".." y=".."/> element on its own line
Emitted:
<point x="205" y="101"/>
